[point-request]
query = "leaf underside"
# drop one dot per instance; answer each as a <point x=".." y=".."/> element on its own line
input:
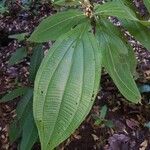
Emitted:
<point x="65" y="86"/>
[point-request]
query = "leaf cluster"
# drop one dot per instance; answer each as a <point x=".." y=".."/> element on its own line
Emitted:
<point x="68" y="78"/>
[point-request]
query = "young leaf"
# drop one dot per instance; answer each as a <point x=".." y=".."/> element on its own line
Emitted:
<point x="65" y="86"/>
<point x="116" y="9"/>
<point x="103" y="112"/>
<point x="115" y="63"/>
<point x="147" y="4"/>
<point x="109" y="124"/>
<point x="19" y="37"/>
<point x="13" y="94"/>
<point x="37" y="56"/>
<point x="29" y="133"/>
<point x="54" y="26"/>
<point x="17" y="56"/>
<point x="101" y="118"/>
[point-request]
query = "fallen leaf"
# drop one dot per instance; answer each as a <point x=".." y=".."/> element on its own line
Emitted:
<point x="144" y="145"/>
<point x="132" y="124"/>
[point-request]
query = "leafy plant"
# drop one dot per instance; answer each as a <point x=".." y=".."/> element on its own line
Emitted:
<point x="23" y="128"/>
<point x="68" y="78"/>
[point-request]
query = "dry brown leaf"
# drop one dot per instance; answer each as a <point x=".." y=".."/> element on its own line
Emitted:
<point x="132" y="124"/>
<point x="95" y="137"/>
<point x="144" y="145"/>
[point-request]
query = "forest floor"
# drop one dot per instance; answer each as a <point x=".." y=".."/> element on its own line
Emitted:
<point x="126" y="126"/>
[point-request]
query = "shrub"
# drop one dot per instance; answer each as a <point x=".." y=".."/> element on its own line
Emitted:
<point x="68" y="79"/>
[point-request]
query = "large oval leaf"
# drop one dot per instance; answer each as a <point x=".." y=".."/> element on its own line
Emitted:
<point x="65" y="86"/>
<point x="54" y="26"/>
<point x="114" y="61"/>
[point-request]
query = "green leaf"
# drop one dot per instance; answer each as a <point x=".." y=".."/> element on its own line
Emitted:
<point x="24" y="125"/>
<point x="37" y="57"/>
<point x="139" y="31"/>
<point x="114" y="61"/>
<point x="14" y="131"/>
<point x="17" y="56"/>
<point x="54" y="26"/>
<point x="122" y="42"/>
<point x="101" y="118"/>
<point x="131" y="5"/>
<point x="65" y="86"/>
<point x="13" y="94"/>
<point x="147" y="125"/>
<point x="3" y="8"/>
<point x="24" y="104"/>
<point x="29" y="133"/>
<point x="131" y="59"/>
<point x="147" y="4"/>
<point x="23" y="109"/>
<point x="19" y="37"/>
<point x="103" y="112"/>
<point x="98" y="121"/>
<point x="109" y="124"/>
<point x="26" y="121"/>
<point x="116" y="9"/>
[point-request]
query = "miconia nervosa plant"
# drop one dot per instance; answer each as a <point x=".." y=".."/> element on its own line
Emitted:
<point x="68" y="78"/>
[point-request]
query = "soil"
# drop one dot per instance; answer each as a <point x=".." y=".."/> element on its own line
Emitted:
<point x="129" y="122"/>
